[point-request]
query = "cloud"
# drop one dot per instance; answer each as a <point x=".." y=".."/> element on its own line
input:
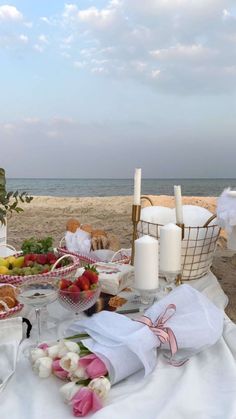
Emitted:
<point x="176" y="46"/>
<point x="10" y="13"/>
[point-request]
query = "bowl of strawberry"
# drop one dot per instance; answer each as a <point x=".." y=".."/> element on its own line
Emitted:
<point x="81" y="293"/>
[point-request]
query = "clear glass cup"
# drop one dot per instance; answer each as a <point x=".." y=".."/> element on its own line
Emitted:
<point x="38" y="293"/>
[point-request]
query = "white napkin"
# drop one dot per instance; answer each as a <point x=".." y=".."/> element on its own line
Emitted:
<point x="79" y="242"/>
<point x="10" y="338"/>
<point x="226" y="210"/>
<point x="126" y="345"/>
<point x="197" y="322"/>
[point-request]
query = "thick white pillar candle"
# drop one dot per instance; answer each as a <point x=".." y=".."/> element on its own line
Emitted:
<point x="178" y="204"/>
<point x="137" y="187"/>
<point x="170" y="248"/>
<point x="146" y="263"/>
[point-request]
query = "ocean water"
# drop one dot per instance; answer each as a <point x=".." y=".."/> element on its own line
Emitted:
<point x="118" y="187"/>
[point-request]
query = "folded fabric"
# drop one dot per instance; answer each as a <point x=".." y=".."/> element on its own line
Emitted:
<point x="184" y="321"/>
<point x="79" y="242"/>
<point x="226" y="210"/>
<point x="115" y="277"/>
<point x="10" y="338"/>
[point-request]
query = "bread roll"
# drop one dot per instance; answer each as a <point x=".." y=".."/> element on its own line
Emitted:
<point x="72" y="225"/>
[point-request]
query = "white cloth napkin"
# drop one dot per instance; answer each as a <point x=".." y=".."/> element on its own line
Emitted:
<point x="79" y="242"/>
<point x="126" y="345"/>
<point x="10" y="337"/>
<point x="226" y="210"/>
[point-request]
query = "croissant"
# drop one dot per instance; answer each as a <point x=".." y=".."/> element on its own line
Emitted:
<point x="99" y="240"/>
<point x="7" y="297"/>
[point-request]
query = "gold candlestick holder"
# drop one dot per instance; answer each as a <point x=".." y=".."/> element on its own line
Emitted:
<point x="136" y="211"/>
<point x="181" y="225"/>
<point x="178" y="280"/>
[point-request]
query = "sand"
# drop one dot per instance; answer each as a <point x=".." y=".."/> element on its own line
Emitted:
<point x="47" y="216"/>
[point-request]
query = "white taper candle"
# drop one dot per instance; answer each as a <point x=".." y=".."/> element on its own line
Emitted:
<point x="137" y="187"/>
<point x="178" y="204"/>
<point x="170" y="248"/>
<point x="146" y="263"/>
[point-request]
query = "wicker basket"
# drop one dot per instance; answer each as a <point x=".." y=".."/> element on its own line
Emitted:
<point x="198" y="246"/>
<point x="122" y="256"/>
<point x="65" y="271"/>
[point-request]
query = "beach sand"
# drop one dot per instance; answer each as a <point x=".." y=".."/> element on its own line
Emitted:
<point x="47" y="216"/>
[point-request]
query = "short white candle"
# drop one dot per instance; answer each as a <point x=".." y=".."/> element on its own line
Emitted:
<point x="146" y="263"/>
<point x="137" y="187"/>
<point x="178" y="204"/>
<point x="170" y="248"/>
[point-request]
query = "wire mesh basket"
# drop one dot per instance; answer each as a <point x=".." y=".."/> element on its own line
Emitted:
<point x="198" y="246"/>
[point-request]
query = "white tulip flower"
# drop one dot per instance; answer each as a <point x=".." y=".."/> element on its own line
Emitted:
<point x="69" y="390"/>
<point x="37" y="353"/>
<point x="66" y="346"/>
<point x="70" y="361"/>
<point x="101" y="386"/>
<point x="78" y="374"/>
<point x="43" y="367"/>
<point x="53" y="351"/>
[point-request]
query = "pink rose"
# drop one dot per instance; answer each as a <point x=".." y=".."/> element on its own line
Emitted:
<point x="58" y="370"/>
<point x="85" y="401"/>
<point x="93" y="366"/>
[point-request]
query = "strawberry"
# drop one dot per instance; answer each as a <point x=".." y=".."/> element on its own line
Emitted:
<point x="83" y="283"/>
<point x="91" y="273"/>
<point x="73" y="288"/>
<point x="64" y="283"/>
<point x="30" y="259"/>
<point x="42" y="259"/>
<point x="51" y="258"/>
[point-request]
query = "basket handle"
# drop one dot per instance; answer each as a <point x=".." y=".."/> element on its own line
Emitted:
<point x="63" y="257"/>
<point x="148" y="199"/>
<point x="117" y="253"/>
<point x="61" y="241"/>
<point x="209" y="220"/>
<point x="9" y="246"/>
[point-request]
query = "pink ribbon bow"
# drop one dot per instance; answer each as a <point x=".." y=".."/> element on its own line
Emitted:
<point x="164" y="333"/>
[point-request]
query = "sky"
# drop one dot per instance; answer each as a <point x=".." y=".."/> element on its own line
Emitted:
<point x="95" y="88"/>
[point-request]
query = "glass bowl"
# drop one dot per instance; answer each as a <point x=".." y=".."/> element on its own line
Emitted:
<point x="78" y="301"/>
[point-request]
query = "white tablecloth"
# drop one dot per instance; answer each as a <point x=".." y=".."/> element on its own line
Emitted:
<point x="203" y="388"/>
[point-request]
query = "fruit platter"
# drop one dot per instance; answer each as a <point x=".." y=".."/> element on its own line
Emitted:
<point x="81" y="292"/>
<point x="37" y="258"/>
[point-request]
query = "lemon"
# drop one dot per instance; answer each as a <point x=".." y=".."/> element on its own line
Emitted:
<point x="18" y="263"/>
<point x="11" y="259"/>
<point x="4" y="270"/>
<point x="4" y="262"/>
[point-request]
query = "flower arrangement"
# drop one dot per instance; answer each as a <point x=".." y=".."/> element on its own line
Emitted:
<point x="86" y="375"/>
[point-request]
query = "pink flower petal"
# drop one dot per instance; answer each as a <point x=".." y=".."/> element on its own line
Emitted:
<point x="43" y="346"/>
<point x="96" y="369"/>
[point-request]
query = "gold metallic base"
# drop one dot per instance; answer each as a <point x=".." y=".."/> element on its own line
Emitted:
<point x="136" y="212"/>
<point x="178" y="280"/>
<point x="181" y="225"/>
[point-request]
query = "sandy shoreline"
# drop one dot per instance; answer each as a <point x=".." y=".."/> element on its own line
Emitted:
<point x="47" y="216"/>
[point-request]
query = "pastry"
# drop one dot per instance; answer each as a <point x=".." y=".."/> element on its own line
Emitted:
<point x="7" y="297"/>
<point x="87" y="227"/>
<point x="72" y="225"/>
<point x="99" y="240"/>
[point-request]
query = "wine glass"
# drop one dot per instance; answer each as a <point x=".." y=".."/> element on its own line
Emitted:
<point x="38" y="293"/>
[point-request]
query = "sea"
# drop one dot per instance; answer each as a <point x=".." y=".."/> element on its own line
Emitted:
<point x="117" y="187"/>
